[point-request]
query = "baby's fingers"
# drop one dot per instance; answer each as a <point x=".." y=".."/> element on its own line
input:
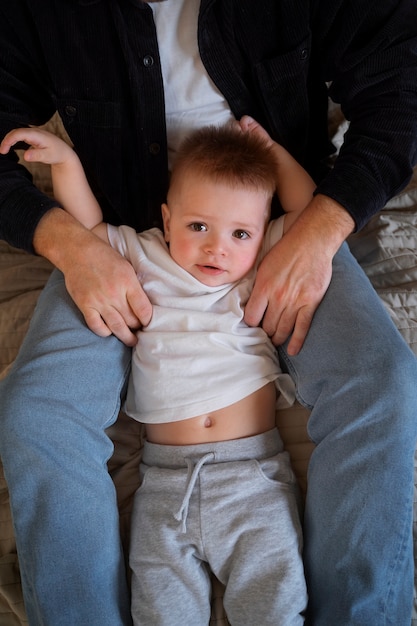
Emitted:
<point x="36" y="155"/>
<point x="31" y="136"/>
<point x="9" y="140"/>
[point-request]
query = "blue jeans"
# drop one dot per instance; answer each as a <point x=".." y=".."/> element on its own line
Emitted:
<point x="61" y="394"/>
<point x="360" y="379"/>
<point x="354" y="371"/>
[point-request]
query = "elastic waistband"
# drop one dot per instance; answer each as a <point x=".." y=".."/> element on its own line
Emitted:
<point x="260" y="446"/>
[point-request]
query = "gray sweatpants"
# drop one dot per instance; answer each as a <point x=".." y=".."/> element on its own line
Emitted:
<point x="230" y="506"/>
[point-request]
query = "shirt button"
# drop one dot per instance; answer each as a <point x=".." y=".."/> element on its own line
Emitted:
<point x="70" y="110"/>
<point x="304" y="54"/>
<point x="154" y="148"/>
<point x="148" y="60"/>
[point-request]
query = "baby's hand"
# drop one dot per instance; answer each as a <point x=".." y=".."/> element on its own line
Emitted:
<point x="249" y="125"/>
<point x="44" y="146"/>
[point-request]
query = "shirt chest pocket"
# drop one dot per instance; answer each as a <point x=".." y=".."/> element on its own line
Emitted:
<point x="283" y="88"/>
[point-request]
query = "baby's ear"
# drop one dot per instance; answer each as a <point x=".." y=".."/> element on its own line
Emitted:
<point x="166" y="216"/>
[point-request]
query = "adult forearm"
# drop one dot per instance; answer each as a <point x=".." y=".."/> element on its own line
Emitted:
<point x="375" y="161"/>
<point x="324" y="224"/>
<point x="22" y="206"/>
<point x="60" y="238"/>
<point x="368" y="56"/>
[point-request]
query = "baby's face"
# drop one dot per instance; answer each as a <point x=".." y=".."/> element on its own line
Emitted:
<point x="214" y="231"/>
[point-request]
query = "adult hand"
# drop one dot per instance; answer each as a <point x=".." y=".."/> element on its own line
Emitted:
<point x="294" y="276"/>
<point x="101" y="282"/>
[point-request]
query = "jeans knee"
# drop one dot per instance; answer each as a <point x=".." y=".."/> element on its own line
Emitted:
<point x="15" y="416"/>
<point x="398" y="370"/>
<point x="396" y="396"/>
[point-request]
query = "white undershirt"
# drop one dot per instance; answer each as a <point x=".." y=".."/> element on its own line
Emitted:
<point x="191" y="98"/>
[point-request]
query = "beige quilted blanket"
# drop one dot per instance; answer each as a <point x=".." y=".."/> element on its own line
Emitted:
<point x="387" y="250"/>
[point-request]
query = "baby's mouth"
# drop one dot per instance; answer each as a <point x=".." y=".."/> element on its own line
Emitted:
<point x="211" y="269"/>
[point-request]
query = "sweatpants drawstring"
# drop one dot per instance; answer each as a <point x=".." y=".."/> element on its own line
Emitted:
<point x="191" y="480"/>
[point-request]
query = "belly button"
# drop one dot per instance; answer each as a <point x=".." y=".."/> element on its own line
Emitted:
<point x="208" y="422"/>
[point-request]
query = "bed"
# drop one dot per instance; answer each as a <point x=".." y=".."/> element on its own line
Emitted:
<point x="387" y="250"/>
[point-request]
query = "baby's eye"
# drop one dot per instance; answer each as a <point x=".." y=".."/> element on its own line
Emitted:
<point x="198" y="227"/>
<point x="241" y="234"/>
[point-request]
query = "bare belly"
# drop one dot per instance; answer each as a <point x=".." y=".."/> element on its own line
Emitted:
<point x="250" y="416"/>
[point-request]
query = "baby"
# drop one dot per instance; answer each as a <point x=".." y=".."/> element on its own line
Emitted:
<point x="217" y="488"/>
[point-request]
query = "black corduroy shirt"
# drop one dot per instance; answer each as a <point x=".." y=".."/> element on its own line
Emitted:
<point x="96" y="62"/>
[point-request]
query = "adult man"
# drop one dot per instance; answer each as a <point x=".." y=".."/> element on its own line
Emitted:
<point x="97" y="63"/>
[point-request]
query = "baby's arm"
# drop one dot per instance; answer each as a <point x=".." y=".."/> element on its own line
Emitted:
<point x="70" y="185"/>
<point x="295" y="187"/>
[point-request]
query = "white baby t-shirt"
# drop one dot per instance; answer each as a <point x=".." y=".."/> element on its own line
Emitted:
<point x="197" y="354"/>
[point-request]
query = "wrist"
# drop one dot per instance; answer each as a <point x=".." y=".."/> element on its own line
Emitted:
<point x="59" y="237"/>
<point x="327" y="221"/>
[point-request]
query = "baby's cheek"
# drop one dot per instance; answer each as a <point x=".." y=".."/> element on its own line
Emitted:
<point x="247" y="261"/>
<point x="182" y="251"/>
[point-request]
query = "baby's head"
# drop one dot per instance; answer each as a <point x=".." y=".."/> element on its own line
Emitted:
<point x="227" y="155"/>
<point x="219" y="203"/>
